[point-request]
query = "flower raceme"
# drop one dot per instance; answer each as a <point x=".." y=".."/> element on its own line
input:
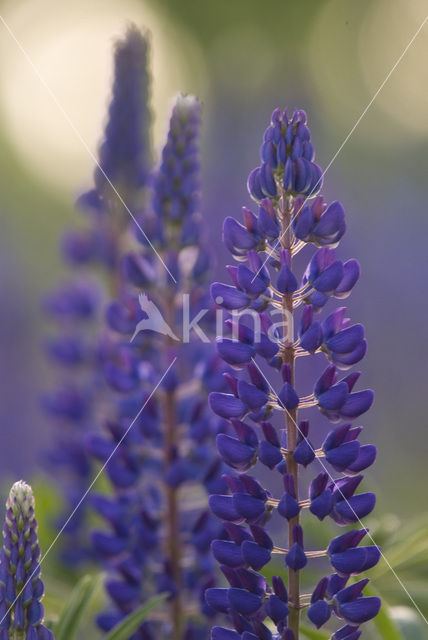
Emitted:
<point x="291" y="217"/>
<point x="159" y="527"/>
<point x="21" y="589"/>
<point x="75" y="308"/>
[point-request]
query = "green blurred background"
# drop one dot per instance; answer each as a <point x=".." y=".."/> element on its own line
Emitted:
<point x="242" y="58"/>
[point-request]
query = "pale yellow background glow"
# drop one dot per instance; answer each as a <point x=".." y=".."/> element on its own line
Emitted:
<point x="350" y="53"/>
<point x="71" y="46"/>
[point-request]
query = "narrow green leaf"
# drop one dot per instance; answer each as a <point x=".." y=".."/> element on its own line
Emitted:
<point x="402" y="551"/>
<point x="410" y="623"/>
<point x="313" y="634"/>
<point x="384" y="623"/>
<point x="71" y="616"/>
<point x="130" y="624"/>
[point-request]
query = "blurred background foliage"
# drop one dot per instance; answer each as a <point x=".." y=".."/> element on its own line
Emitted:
<point x="242" y="58"/>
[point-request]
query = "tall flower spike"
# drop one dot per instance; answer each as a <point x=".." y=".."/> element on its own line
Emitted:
<point x="159" y="528"/>
<point x="21" y="589"/>
<point x="289" y="218"/>
<point x="125" y="153"/>
<point x="76" y="307"/>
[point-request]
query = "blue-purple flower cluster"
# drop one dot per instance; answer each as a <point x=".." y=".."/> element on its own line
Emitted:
<point x="125" y="157"/>
<point x="75" y="308"/>
<point x="160" y="528"/>
<point x="21" y="589"/>
<point x="290" y="217"/>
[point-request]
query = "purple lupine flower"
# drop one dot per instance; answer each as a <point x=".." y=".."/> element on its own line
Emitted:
<point x="290" y="217"/>
<point x="159" y="527"/>
<point x="21" y="589"/>
<point x="125" y="153"/>
<point x="75" y="308"/>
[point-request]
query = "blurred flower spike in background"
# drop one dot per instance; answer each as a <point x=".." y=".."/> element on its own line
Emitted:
<point x="76" y="307"/>
<point x="159" y="528"/>
<point x="146" y="234"/>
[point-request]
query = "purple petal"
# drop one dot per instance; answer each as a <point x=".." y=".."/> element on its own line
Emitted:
<point x="351" y="273"/>
<point x="217" y="599"/>
<point x="288" y="397"/>
<point x="366" y="457"/>
<point x="229" y="297"/>
<point x="227" y="553"/>
<point x="224" y="508"/>
<point x="360" y="610"/>
<point x="330" y="278"/>
<point x="248" y="507"/>
<point x="236" y="454"/>
<point x="235" y="235"/>
<point x="255" y="555"/>
<point x="319" y="613"/>
<point x="357" y="404"/>
<point x="254" y="185"/>
<point x="226" y="405"/>
<point x="243" y="601"/>
<point x="296" y="558"/>
<point x="234" y="352"/>
<point x="347" y="340"/>
<point x="251" y="396"/>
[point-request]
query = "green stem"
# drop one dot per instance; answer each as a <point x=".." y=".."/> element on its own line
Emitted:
<point x="288" y="357"/>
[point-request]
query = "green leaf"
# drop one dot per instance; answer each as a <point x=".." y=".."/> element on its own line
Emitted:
<point x="410" y="623"/>
<point x="384" y="623"/>
<point x="73" y="612"/>
<point x="313" y="634"/>
<point x="403" y="550"/>
<point x="130" y="624"/>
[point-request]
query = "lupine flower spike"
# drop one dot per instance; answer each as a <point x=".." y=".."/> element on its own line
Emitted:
<point x="76" y="306"/>
<point x="159" y="527"/>
<point x="21" y="589"/>
<point x="290" y="216"/>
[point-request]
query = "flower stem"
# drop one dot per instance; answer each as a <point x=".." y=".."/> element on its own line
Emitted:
<point x="172" y="515"/>
<point x="288" y="357"/>
<point x="173" y="527"/>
